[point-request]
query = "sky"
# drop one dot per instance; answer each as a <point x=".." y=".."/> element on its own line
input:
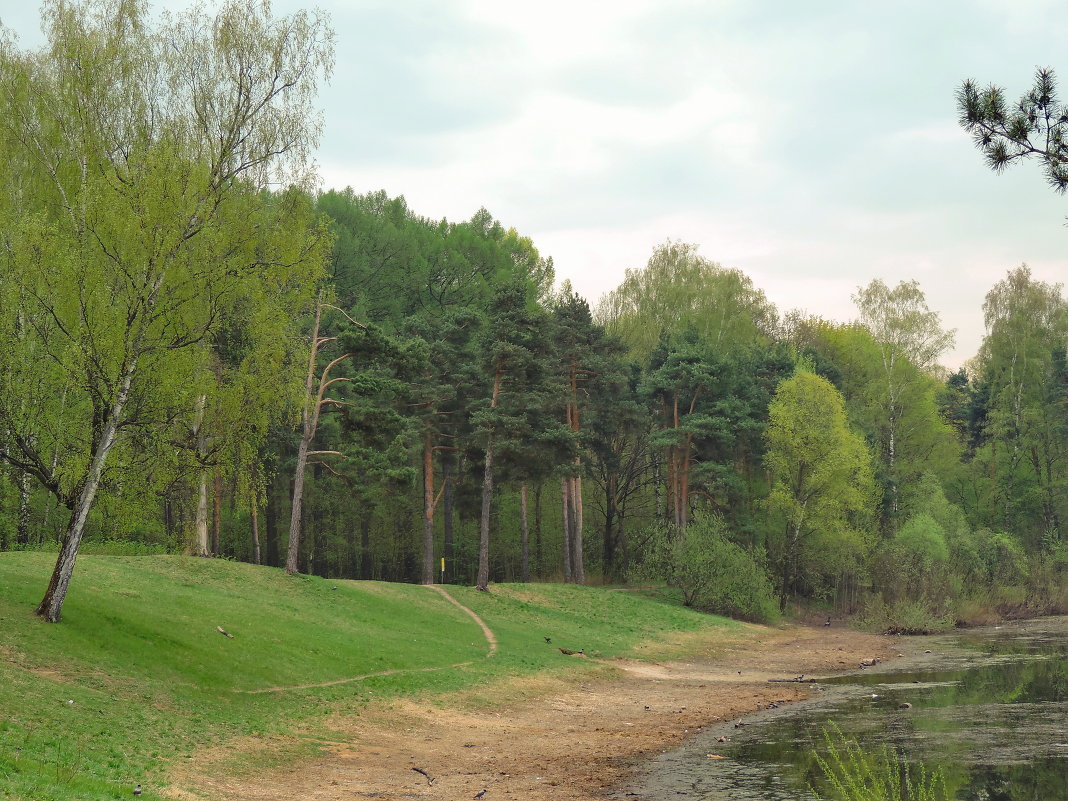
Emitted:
<point x="814" y="146"/>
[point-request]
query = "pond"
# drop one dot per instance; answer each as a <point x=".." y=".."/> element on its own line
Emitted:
<point x="987" y="707"/>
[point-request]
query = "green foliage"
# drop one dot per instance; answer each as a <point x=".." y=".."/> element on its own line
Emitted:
<point x="1033" y="128"/>
<point x="923" y="542"/>
<point x="1026" y="398"/>
<point x="137" y="218"/>
<point x="713" y="573"/>
<point x="821" y="471"/>
<point x="912" y="567"/>
<point x="679" y="290"/>
<point x="853" y="774"/>
<point x="908" y="338"/>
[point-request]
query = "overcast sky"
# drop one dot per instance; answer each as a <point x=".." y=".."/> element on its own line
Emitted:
<point x="812" y="145"/>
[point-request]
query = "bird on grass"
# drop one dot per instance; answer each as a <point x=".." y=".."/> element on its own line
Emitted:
<point x="548" y="639"/>
<point x="137" y="790"/>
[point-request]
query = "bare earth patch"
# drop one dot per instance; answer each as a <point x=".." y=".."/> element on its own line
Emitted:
<point x="538" y="738"/>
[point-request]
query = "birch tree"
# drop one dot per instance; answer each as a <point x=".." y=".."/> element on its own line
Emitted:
<point x="910" y="338"/>
<point x="681" y="290"/>
<point x="1022" y="364"/>
<point x="134" y="216"/>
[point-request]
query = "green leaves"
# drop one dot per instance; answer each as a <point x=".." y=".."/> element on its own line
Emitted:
<point x="821" y="471"/>
<point x="679" y="290"/>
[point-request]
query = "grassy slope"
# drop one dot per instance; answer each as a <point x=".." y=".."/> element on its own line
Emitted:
<point x="152" y="680"/>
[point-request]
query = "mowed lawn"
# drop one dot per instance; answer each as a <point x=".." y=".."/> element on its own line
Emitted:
<point x="137" y="675"/>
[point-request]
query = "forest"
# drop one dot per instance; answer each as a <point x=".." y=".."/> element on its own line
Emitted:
<point x="205" y="353"/>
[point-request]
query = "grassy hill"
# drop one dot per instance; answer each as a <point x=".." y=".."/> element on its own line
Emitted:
<point x="137" y="676"/>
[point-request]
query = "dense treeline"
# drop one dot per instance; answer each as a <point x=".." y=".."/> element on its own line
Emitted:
<point x="469" y="412"/>
<point x="334" y="384"/>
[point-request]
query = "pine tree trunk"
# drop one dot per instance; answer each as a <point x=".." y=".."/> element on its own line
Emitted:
<point x="482" y="582"/>
<point x="201" y="546"/>
<point x="566" y="506"/>
<point x="366" y="563"/>
<point x="609" y="525"/>
<point x="684" y="492"/>
<point x="658" y="489"/>
<point x="428" y="509"/>
<point x="168" y="516"/>
<point x="538" y="563"/>
<point x="310" y="421"/>
<point x="578" y="570"/>
<point x="447" y="511"/>
<point x="524" y="570"/>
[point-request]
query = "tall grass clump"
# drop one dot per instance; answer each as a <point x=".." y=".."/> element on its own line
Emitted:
<point x="853" y="774"/>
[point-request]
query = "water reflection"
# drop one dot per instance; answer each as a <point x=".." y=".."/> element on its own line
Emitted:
<point x="988" y="708"/>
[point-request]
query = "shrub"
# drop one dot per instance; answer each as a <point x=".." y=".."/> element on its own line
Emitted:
<point x="914" y="565"/>
<point x="713" y="573"/>
<point x="906" y="616"/>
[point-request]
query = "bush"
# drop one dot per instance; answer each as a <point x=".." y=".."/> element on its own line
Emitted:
<point x="713" y="573"/>
<point x="905" y="617"/>
<point x="914" y="565"/>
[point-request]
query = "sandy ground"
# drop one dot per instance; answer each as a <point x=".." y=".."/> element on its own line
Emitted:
<point x="536" y="739"/>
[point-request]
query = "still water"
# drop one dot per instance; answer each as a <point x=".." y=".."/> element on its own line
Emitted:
<point x="989" y="708"/>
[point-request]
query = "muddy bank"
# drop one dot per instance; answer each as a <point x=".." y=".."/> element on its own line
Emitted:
<point x="987" y="707"/>
<point x="536" y="739"/>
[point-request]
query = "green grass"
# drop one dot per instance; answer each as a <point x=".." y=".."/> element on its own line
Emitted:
<point x="136" y="677"/>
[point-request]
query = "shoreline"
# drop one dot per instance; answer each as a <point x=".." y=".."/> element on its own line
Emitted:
<point x="537" y="738"/>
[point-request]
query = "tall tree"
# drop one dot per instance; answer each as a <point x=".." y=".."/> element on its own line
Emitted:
<point x="821" y="471"/>
<point x="440" y="390"/>
<point x="593" y="374"/>
<point x="681" y="388"/>
<point x="516" y="353"/>
<point x="133" y="217"/>
<point x="909" y="337"/>
<point x="1027" y="327"/>
<point x="315" y="400"/>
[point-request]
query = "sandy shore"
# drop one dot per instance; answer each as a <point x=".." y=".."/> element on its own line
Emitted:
<point x="536" y="739"/>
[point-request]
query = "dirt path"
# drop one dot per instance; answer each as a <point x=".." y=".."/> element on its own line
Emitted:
<point x="491" y="640"/>
<point x="486" y="632"/>
<point x="538" y="739"/>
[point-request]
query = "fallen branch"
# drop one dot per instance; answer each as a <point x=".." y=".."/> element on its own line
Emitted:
<point x="429" y="778"/>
